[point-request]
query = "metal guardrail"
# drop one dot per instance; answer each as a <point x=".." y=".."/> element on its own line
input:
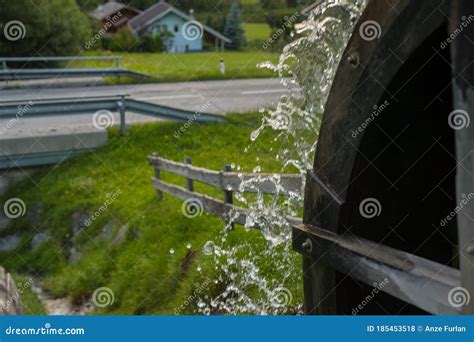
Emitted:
<point x="224" y="180"/>
<point x="32" y="74"/>
<point x="15" y="109"/>
<point x="8" y="74"/>
<point x="89" y="105"/>
<point x="5" y="60"/>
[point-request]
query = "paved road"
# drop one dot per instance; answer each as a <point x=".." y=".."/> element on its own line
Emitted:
<point x="218" y="97"/>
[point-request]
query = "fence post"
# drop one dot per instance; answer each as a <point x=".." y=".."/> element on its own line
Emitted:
<point x="189" y="182"/>
<point x="228" y="195"/>
<point x="117" y="65"/>
<point x="121" y="109"/>
<point x="157" y="175"/>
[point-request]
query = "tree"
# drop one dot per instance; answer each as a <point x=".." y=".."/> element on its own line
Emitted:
<point x="45" y="28"/>
<point x="233" y="28"/>
<point x="89" y="5"/>
<point x="184" y="5"/>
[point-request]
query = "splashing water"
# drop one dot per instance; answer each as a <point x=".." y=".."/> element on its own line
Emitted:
<point x="258" y="281"/>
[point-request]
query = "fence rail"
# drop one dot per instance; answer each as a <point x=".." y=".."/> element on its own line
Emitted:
<point x="225" y="180"/>
<point x="234" y="181"/>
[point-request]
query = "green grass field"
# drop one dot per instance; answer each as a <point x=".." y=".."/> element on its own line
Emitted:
<point x="164" y="67"/>
<point x="257" y="31"/>
<point x="144" y="276"/>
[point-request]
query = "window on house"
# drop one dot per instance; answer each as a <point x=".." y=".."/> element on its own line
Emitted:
<point x="176" y="28"/>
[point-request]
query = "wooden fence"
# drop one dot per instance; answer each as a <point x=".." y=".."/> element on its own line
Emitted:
<point x="418" y="281"/>
<point x="227" y="181"/>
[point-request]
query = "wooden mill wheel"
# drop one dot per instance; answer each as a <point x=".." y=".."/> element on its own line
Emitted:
<point x="386" y="136"/>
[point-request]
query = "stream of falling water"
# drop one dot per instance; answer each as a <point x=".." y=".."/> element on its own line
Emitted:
<point x="262" y="281"/>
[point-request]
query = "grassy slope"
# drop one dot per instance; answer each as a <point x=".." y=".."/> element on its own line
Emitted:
<point x="145" y="277"/>
<point x="191" y="66"/>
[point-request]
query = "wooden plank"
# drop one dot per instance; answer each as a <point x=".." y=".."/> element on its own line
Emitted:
<point x="232" y="181"/>
<point x="224" y="211"/>
<point x="408" y="277"/>
<point x="212" y="206"/>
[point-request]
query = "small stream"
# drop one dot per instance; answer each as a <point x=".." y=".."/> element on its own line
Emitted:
<point x="60" y="306"/>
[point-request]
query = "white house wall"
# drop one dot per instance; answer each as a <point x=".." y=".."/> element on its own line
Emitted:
<point x="178" y="43"/>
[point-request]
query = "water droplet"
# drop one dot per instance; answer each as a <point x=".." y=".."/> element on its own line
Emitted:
<point x="310" y="61"/>
<point x="254" y="135"/>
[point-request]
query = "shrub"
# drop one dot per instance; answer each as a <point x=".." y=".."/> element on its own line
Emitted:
<point x="124" y="42"/>
<point x="152" y="43"/>
<point x="128" y="42"/>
